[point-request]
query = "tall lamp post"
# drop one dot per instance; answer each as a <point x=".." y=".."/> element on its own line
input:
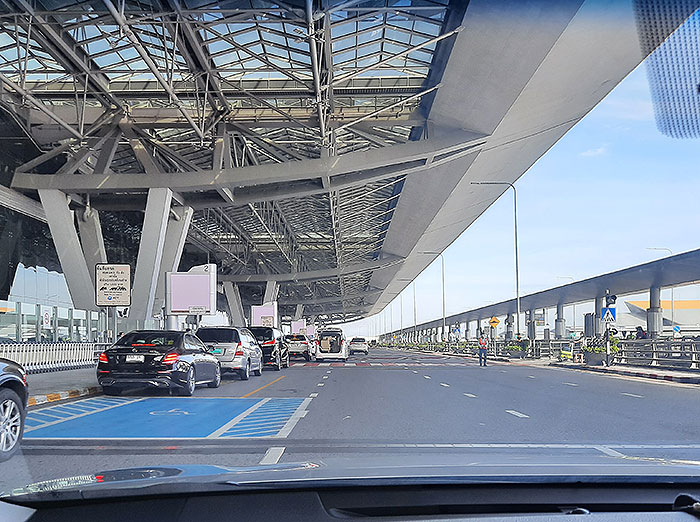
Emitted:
<point x="673" y="301"/>
<point x="442" y="263"/>
<point x="517" y="270"/>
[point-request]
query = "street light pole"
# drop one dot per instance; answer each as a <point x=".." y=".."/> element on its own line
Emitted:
<point x="442" y="262"/>
<point x="517" y="269"/>
<point x="673" y="301"/>
<point x="415" y="321"/>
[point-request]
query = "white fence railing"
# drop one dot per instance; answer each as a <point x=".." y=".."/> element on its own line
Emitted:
<point x="51" y="357"/>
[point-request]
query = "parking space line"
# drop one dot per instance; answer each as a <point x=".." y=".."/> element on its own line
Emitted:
<point x="518" y="414"/>
<point x="223" y="429"/>
<point x="262" y="387"/>
<point x="296" y="417"/>
<point x="36" y="414"/>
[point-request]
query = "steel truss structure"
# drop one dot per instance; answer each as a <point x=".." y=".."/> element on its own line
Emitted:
<point x="137" y="90"/>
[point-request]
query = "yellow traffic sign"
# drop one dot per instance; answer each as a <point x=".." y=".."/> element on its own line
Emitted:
<point x="494" y="322"/>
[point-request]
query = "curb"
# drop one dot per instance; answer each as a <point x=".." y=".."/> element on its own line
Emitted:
<point x="36" y="400"/>
<point x="631" y="373"/>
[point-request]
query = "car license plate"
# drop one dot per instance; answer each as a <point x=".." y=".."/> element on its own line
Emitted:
<point x="216" y="350"/>
<point x="134" y="358"/>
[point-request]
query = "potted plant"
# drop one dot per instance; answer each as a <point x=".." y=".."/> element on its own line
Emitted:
<point x="516" y="351"/>
<point x="595" y="354"/>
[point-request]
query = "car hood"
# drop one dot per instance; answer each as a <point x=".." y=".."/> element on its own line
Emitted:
<point x="394" y="470"/>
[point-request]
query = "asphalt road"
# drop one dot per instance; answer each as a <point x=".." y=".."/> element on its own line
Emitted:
<point x="388" y="403"/>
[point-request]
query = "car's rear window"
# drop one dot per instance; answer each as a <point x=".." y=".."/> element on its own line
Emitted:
<point x="150" y="339"/>
<point x="295" y="338"/>
<point x="323" y="335"/>
<point x="262" y="333"/>
<point x="358" y="340"/>
<point x="218" y="335"/>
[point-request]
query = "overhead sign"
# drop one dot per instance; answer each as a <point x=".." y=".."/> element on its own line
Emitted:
<point x="192" y="292"/>
<point x="608" y="315"/>
<point x="112" y="285"/>
<point x="494" y="322"/>
<point x="267" y="320"/>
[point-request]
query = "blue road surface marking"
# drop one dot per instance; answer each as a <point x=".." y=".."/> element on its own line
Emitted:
<point x="157" y="417"/>
<point x="161" y="418"/>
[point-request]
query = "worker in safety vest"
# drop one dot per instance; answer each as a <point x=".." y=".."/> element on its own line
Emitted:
<point x="483" y="345"/>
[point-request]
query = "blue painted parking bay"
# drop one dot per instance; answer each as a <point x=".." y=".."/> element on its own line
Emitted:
<point x="165" y="418"/>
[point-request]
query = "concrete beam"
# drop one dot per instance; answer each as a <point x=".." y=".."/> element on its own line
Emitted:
<point x="70" y="251"/>
<point x="342" y="171"/>
<point x="148" y="262"/>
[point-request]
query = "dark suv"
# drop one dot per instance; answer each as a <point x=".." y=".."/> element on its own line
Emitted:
<point x="275" y="349"/>
<point x="13" y="407"/>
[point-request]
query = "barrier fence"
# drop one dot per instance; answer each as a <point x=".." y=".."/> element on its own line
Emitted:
<point x="51" y="357"/>
<point x="681" y="354"/>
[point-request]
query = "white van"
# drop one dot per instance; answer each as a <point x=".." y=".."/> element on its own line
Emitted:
<point x="331" y="344"/>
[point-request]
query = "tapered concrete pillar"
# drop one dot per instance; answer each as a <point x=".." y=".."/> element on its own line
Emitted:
<point x="175" y="236"/>
<point x="91" y="239"/>
<point x="235" y="305"/>
<point x="654" y="313"/>
<point x="560" y="323"/>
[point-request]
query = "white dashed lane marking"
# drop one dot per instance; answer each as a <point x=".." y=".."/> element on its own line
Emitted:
<point x="444" y="384"/>
<point x="633" y="395"/>
<point x="530" y="376"/>
<point x="273" y="455"/>
<point x="570" y="383"/>
<point x="426" y="376"/>
<point x="313" y="395"/>
<point x="470" y="395"/>
<point x="320" y="384"/>
<point x="518" y="414"/>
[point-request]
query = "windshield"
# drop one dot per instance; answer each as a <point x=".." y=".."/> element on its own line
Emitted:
<point x="218" y="335"/>
<point x="263" y="334"/>
<point x="348" y="234"/>
<point x="150" y="339"/>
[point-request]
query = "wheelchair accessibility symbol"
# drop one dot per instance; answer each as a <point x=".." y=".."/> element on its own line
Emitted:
<point x="173" y="412"/>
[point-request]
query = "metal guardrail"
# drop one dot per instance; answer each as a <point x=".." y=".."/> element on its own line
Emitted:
<point x="665" y="353"/>
<point x="52" y="357"/>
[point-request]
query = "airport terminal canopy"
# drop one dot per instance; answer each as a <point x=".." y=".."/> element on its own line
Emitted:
<point x="326" y="145"/>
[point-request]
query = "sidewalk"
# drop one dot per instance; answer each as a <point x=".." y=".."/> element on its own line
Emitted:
<point x="59" y="386"/>
<point x="662" y="374"/>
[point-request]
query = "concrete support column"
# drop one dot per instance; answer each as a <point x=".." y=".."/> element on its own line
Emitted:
<point x="531" y="330"/>
<point x="91" y="239"/>
<point x="148" y="262"/>
<point x="235" y="304"/>
<point x="598" y="323"/>
<point x="272" y="288"/>
<point x="560" y="323"/>
<point x="38" y="323"/>
<point x="654" y="313"/>
<point x="298" y="312"/>
<point x="70" y="252"/>
<point x="510" y="321"/>
<point x="175" y="236"/>
<point x="71" y="328"/>
<point x="466" y="329"/>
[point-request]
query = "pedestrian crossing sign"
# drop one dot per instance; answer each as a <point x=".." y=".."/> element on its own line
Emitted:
<point x="608" y="315"/>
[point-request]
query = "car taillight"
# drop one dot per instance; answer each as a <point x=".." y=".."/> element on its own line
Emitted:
<point x="171" y="358"/>
<point x="271" y="341"/>
<point x="103" y="357"/>
<point x="238" y="350"/>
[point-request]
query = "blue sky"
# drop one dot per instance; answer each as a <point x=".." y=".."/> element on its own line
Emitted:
<point x="610" y="188"/>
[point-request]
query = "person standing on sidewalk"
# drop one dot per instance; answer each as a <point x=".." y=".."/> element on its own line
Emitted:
<point x="483" y="347"/>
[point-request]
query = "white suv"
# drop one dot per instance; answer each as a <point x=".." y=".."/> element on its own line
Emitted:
<point x="359" y="344"/>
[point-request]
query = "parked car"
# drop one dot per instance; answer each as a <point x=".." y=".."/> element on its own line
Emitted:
<point x="331" y="344"/>
<point x="160" y="359"/>
<point x="236" y="349"/>
<point x="300" y="346"/>
<point x="359" y="344"/>
<point x="14" y="395"/>
<point x="274" y="347"/>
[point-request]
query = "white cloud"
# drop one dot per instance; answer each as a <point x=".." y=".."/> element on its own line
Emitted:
<point x="600" y="151"/>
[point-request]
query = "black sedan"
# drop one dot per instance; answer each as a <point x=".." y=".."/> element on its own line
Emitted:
<point x="13" y="406"/>
<point x="160" y="359"/>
